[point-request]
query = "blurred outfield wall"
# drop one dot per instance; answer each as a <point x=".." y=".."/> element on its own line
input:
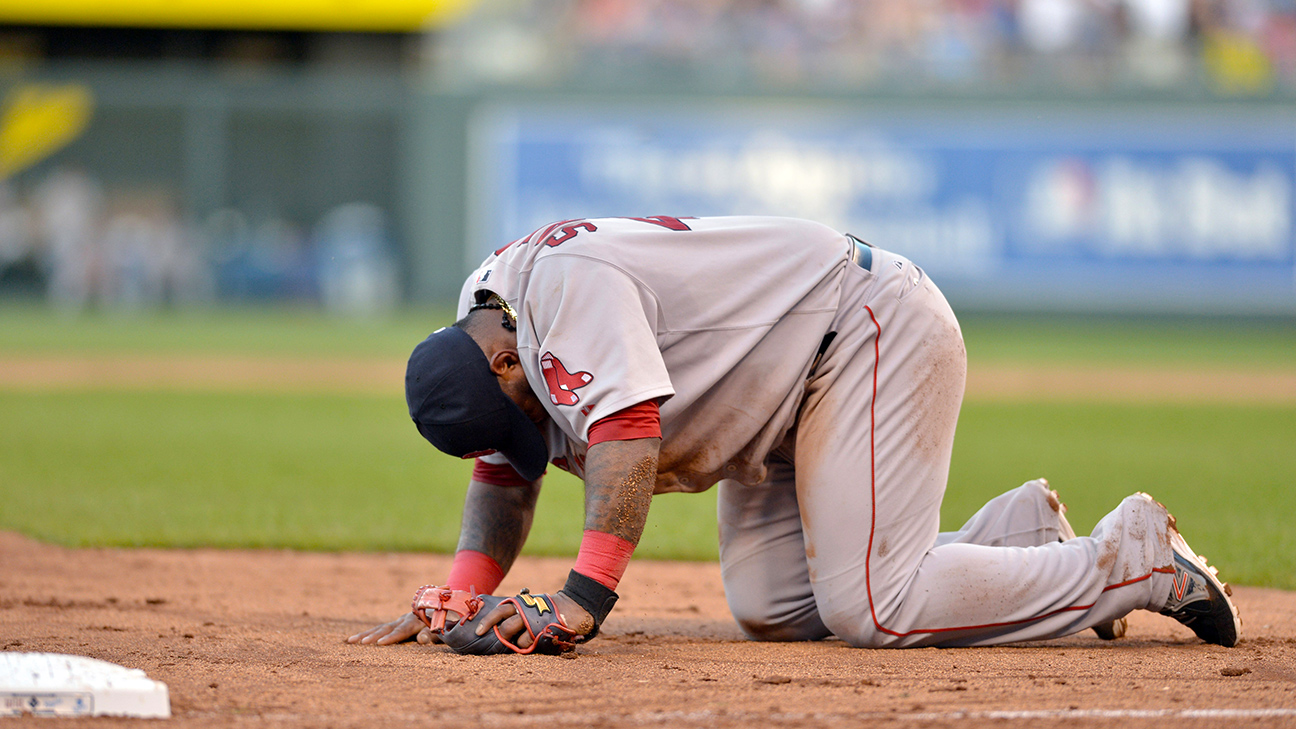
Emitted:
<point x="1101" y="204"/>
<point x="286" y="183"/>
<point x="197" y="184"/>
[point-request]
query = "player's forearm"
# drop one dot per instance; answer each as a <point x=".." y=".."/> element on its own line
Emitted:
<point x="497" y="519"/>
<point x="619" y="479"/>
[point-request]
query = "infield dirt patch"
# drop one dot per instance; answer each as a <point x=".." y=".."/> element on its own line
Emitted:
<point x="1035" y="381"/>
<point x="255" y="639"/>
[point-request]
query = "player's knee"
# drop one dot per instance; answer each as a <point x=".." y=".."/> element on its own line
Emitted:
<point x="779" y="624"/>
<point x="856" y="628"/>
<point x="764" y="630"/>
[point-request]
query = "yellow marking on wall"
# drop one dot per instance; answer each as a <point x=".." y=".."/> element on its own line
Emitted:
<point x="38" y="120"/>
<point x="311" y="15"/>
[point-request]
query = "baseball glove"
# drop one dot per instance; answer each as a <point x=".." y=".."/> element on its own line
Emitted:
<point x="549" y="632"/>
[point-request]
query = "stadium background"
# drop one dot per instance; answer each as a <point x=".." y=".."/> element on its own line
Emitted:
<point x="1099" y="185"/>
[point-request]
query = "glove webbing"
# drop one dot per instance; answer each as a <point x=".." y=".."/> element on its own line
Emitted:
<point x="440" y="601"/>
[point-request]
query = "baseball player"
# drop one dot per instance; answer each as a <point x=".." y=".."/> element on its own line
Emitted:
<point x="813" y="379"/>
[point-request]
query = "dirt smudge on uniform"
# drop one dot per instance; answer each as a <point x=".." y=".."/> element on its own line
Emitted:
<point x="937" y="393"/>
<point x="1106" y="555"/>
<point x="1137" y="528"/>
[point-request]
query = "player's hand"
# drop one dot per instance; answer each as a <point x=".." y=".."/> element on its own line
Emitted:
<point x="513" y="627"/>
<point x="404" y="628"/>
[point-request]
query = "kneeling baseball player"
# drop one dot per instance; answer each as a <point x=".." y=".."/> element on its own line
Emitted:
<point x="816" y="381"/>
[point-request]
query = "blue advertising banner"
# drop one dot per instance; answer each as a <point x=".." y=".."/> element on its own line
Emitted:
<point x="1156" y="211"/>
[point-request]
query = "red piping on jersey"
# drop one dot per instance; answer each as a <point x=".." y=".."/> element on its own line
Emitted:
<point x="868" y="558"/>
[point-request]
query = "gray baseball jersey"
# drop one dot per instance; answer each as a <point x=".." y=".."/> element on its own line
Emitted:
<point x="717" y="319"/>
<point x="831" y="453"/>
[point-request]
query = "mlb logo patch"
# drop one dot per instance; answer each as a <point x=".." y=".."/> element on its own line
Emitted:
<point x="561" y="383"/>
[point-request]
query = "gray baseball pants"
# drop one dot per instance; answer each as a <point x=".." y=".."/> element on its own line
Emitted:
<point x="843" y="537"/>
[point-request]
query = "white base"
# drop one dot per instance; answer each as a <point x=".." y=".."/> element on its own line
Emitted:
<point x="52" y="684"/>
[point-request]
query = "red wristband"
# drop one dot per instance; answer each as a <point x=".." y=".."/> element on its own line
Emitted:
<point x="474" y="570"/>
<point x="603" y="558"/>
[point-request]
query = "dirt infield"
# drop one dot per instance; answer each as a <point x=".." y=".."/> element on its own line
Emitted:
<point x="1039" y="382"/>
<point x="255" y="639"/>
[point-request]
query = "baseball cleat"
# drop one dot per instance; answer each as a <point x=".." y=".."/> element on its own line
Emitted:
<point x="1198" y="599"/>
<point x="1112" y="629"/>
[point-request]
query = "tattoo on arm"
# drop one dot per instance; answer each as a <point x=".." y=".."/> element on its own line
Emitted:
<point x="496" y="520"/>
<point x="619" y="481"/>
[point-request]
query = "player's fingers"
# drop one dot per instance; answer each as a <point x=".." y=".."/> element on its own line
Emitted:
<point x="369" y="636"/>
<point x="364" y="634"/>
<point x="515" y="630"/>
<point x="427" y="637"/>
<point x="401" y="632"/>
<point x="376" y="634"/>
<point x="502" y="612"/>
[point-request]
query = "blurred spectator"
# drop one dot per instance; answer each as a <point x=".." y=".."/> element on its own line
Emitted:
<point x="1157" y="48"/>
<point x="1236" y="46"/>
<point x="1052" y="26"/>
<point x="125" y="249"/>
<point x="268" y="260"/>
<point x="69" y="206"/>
<point x="357" y="272"/>
<point x="19" y="268"/>
<point x="149" y="259"/>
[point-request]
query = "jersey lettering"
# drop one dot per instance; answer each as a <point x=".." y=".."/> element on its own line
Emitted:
<point x="555" y="234"/>
<point x="566" y="233"/>
<point x="664" y="221"/>
<point x="508" y="246"/>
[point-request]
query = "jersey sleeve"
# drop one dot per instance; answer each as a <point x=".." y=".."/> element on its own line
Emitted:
<point x="593" y="332"/>
<point x="497" y="474"/>
<point x="637" y="421"/>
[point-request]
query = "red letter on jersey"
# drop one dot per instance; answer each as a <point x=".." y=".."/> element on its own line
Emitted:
<point x="664" y="221"/>
<point x="566" y="233"/>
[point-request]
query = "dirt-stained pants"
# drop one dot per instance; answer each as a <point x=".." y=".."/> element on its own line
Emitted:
<point x="842" y="538"/>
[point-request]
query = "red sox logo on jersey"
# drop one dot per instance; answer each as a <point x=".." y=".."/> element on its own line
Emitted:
<point x="555" y="234"/>
<point x="562" y="384"/>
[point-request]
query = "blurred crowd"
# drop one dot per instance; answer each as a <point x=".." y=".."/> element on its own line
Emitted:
<point x="69" y="241"/>
<point x="1229" y="46"/>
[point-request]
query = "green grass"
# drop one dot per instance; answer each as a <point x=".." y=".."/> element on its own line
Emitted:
<point x="342" y="473"/>
<point x="337" y="472"/>
<point x="1226" y="472"/>
<point x="1130" y="341"/>
<point x="27" y="330"/>
<point x="308" y="472"/>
